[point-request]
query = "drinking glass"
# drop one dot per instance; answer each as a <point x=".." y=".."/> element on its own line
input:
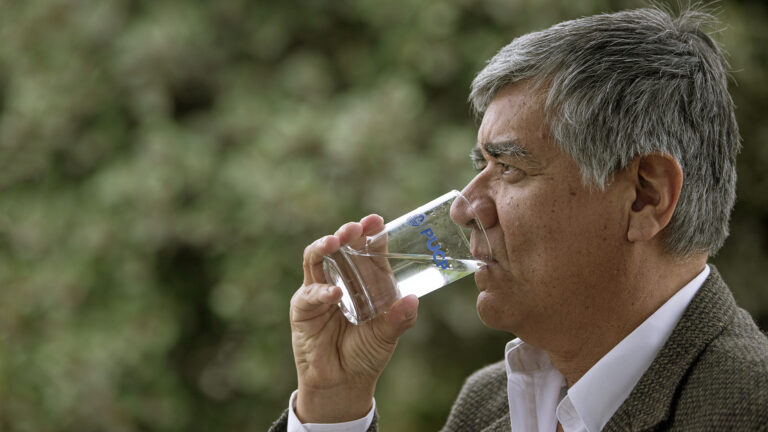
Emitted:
<point x="417" y="253"/>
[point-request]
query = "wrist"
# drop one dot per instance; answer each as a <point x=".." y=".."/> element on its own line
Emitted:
<point x="332" y="405"/>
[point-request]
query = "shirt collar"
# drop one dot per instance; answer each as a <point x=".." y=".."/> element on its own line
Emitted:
<point x="534" y="388"/>
<point x="605" y="386"/>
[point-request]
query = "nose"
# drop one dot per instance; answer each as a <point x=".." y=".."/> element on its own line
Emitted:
<point x="478" y="207"/>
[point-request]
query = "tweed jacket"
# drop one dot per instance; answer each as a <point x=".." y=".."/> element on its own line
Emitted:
<point x="710" y="375"/>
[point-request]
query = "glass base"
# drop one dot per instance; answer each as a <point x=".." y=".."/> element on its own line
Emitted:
<point x="355" y="303"/>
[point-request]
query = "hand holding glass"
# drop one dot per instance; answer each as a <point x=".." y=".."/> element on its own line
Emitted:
<point x="416" y="253"/>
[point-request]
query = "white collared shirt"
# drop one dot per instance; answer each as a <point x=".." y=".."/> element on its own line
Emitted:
<point x="537" y="392"/>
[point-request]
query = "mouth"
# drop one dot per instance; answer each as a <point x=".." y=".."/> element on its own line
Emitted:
<point x="483" y="256"/>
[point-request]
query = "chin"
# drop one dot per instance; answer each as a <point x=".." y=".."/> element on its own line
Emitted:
<point x="492" y="312"/>
<point x="483" y="311"/>
<point x="498" y="301"/>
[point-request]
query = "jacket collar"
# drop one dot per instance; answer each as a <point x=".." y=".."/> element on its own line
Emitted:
<point x="650" y="402"/>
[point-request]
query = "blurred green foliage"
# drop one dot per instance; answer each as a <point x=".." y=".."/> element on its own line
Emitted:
<point x="164" y="163"/>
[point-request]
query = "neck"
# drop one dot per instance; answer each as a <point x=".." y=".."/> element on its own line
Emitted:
<point x="629" y="303"/>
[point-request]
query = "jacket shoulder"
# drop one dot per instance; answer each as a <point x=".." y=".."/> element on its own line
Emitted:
<point x="728" y="384"/>
<point x="482" y="401"/>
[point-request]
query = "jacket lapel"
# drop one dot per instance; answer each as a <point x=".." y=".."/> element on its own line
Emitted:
<point x="651" y="401"/>
<point x="502" y="424"/>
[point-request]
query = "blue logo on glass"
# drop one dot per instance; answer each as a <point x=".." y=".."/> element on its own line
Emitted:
<point x="417" y="219"/>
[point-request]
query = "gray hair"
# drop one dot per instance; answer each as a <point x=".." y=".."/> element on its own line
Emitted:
<point x="634" y="83"/>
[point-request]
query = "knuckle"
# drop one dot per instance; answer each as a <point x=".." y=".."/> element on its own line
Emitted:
<point x="410" y="321"/>
<point x="310" y="290"/>
<point x="304" y="294"/>
<point x="300" y="293"/>
<point x="346" y="227"/>
<point x="309" y="249"/>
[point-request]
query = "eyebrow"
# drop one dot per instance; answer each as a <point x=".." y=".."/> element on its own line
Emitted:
<point x="503" y="148"/>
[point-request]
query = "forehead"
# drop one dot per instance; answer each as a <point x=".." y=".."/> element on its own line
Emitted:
<point x="515" y="114"/>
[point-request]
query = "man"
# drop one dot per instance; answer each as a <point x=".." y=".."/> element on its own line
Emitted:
<point x="606" y="176"/>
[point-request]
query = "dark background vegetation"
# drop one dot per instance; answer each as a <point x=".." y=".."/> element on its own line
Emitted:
<point x="164" y="163"/>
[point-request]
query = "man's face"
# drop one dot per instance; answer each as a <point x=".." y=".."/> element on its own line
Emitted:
<point x="556" y="243"/>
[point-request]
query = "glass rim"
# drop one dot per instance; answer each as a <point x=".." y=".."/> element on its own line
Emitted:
<point x="477" y="222"/>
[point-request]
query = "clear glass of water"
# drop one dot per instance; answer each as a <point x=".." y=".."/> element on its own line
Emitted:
<point x="416" y="253"/>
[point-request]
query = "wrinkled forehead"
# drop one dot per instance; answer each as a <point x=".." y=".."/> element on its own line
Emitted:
<point x="515" y="112"/>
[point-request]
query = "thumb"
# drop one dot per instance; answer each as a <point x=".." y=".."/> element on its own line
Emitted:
<point x="402" y="316"/>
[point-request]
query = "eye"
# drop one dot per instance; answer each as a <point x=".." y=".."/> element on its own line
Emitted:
<point x="508" y="170"/>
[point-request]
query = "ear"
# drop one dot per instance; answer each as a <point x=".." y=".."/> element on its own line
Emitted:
<point x="657" y="179"/>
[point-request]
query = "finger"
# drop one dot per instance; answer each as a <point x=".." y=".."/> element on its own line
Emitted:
<point x="309" y="301"/>
<point x="351" y="233"/>
<point x="372" y="224"/>
<point x="401" y="316"/>
<point x="313" y="258"/>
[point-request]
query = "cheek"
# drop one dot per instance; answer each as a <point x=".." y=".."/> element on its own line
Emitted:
<point x="552" y="232"/>
<point x="535" y="222"/>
